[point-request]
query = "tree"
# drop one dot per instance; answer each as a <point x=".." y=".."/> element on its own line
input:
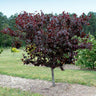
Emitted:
<point x="92" y="27"/>
<point x="11" y="22"/>
<point x="51" y="40"/>
<point x="5" y="40"/>
<point x="3" y="21"/>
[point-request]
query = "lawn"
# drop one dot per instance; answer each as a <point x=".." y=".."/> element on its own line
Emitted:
<point x="11" y="64"/>
<point x="16" y="92"/>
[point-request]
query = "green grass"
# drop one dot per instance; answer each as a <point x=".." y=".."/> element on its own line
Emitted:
<point x="16" y="92"/>
<point x="10" y="64"/>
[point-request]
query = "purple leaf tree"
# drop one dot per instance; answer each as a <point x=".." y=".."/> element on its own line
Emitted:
<point x="51" y="41"/>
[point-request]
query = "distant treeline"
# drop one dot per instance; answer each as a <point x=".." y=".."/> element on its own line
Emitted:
<point x="6" y="41"/>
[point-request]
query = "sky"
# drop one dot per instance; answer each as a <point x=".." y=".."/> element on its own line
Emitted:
<point x="10" y="7"/>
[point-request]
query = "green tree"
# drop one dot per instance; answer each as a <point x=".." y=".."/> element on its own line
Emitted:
<point x="3" y="24"/>
<point x="6" y="40"/>
<point x="11" y="21"/>
<point x="92" y="27"/>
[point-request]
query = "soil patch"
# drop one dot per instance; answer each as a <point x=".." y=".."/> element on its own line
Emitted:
<point x="45" y="87"/>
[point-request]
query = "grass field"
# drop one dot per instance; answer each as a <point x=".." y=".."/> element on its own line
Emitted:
<point x="11" y="64"/>
<point x="16" y="92"/>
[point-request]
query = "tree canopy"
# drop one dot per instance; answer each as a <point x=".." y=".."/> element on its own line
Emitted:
<point x="5" y="41"/>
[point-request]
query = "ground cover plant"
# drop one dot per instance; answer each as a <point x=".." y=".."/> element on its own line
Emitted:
<point x="51" y="40"/>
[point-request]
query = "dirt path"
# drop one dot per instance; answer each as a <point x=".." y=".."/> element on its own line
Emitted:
<point x="45" y="88"/>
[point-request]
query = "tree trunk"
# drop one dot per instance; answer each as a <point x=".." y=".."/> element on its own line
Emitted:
<point x="53" y="82"/>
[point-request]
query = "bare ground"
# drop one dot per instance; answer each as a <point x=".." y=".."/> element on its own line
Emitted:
<point x="45" y="87"/>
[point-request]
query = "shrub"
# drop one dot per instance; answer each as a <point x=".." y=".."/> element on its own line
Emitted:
<point x="87" y="58"/>
<point x="14" y="50"/>
<point x="1" y="50"/>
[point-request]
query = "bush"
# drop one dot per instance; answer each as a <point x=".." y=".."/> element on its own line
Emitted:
<point x="87" y="58"/>
<point x="14" y="50"/>
<point x="1" y="50"/>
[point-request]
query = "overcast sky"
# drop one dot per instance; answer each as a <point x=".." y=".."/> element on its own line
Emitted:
<point x="10" y="7"/>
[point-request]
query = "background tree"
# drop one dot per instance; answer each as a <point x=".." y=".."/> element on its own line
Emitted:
<point x="3" y="24"/>
<point x="7" y="40"/>
<point x="92" y="27"/>
<point x="12" y="23"/>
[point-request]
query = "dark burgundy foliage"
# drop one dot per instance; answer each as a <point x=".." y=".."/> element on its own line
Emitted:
<point x="49" y="38"/>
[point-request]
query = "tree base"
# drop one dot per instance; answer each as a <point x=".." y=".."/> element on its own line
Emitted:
<point x="53" y="81"/>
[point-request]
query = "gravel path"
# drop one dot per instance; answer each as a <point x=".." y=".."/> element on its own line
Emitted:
<point x="45" y="88"/>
